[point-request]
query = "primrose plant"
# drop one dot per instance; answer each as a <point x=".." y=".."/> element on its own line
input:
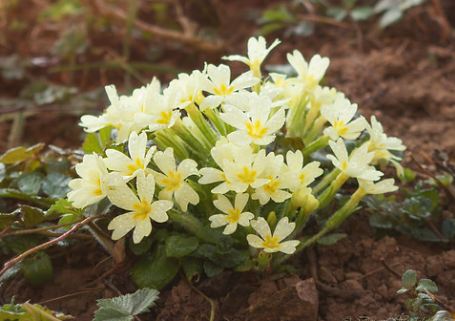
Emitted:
<point x="229" y="161"/>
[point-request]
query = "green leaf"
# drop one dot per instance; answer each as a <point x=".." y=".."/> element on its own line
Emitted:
<point x="62" y="206"/>
<point x="331" y="239"/>
<point x="155" y="271"/>
<point x="91" y="144"/>
<point x="56" y="185"/>
<point x="192" y="268"/>
<point x="97" y="142"/>
<point x="6" y="219"/>
<point x="181" y="245"/>
<point x="142" y="247"/>
<point x="125" y="307"/>
<point x="390" y="17"/>
<point x="31" y="216"/>
<point x="361" y="13"/>
<point x="427" y="285"/>
<point x="212" y="269"/>
<point x="20" y="154"/>
<point x="409" y="279"/>
<point x="30" y="183"/>
<point x="67" y="219"/>
<point x="20" y="243"/>
<point x="37" y="269"/>
<point x="227" y="257"/>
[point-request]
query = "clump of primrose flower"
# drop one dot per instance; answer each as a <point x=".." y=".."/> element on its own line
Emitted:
<point x="228" y="159"/>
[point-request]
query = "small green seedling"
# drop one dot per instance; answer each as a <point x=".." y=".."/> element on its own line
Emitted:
<point x="423" y="303"/>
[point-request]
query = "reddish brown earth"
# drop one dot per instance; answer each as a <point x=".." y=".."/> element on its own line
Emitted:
<point x="406" y="77"/>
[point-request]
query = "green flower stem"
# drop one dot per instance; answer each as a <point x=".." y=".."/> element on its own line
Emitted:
<point x="326" y="180"/>
<point x="316" y="129"/>
<point x="194" y="226"/>
<point x="332" y="223"/>
<point x="198" y="118"/>
<point x="216" y="121"/>
<point x="196" y="146"/>
<point x="326" y="197"/>
<point x="297" y="116"/>
<point x="166" y="138"/>
<point x="316" y="145"/>
<point x="301" y="220"/>
<point x="337" y="218"/>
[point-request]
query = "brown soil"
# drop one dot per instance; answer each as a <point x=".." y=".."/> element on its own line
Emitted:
<point x="406" y="77"/>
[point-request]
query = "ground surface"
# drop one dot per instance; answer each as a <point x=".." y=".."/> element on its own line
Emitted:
<point x="406" y="77"/>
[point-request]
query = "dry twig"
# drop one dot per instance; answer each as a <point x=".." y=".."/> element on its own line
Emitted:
<point x="44" y="246"/>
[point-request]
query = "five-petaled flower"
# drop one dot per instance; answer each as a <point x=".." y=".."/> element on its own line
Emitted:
<point x="233" y="214"/>
<point x="172" y="178"/>
<point x="142" y="209"/>
<point x="269" y="242"/>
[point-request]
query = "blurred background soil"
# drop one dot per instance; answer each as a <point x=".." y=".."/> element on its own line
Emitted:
<point x="56" y="56"/>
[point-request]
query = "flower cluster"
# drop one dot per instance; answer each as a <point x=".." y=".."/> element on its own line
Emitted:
<point x="236" y="153"/>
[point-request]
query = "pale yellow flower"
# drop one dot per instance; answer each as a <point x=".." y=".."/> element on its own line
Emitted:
<point x="269" y="242"/>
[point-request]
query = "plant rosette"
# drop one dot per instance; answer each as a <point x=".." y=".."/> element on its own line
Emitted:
<point x="219" y="172"/>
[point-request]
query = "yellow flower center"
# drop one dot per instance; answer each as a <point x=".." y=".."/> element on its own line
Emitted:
<point x="272" y="186"/>
<point x="172" y="181"/>
<point x="142" y="210"/>
<point x="233" y="215"/>
<point x="98" y="191"/>
<point x="247" y="175"/>
<point x="340" y="127"/>
<point x="255" y="130"/>
<point x="223" y="90"/>
<point x="165" y="118"/>
<point x="310" y="82"/>
<point x="271" y="242"/>
<point x="344" y="165"/>
<point x="302" y="177"/>
<point x="134" y="166"/>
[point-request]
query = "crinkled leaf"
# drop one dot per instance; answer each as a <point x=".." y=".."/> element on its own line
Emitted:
<point x="37" y="269"/>
<point x="409" y="279"/>
<point x="155" y="271"/>
<point x="227" y="257"/>
<point x="331" y="238"/>
<point x="56" y="185"/>
<point x="30" y="183"/>
<point x="181" y="245"/>
<point x="125" y="307"/>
